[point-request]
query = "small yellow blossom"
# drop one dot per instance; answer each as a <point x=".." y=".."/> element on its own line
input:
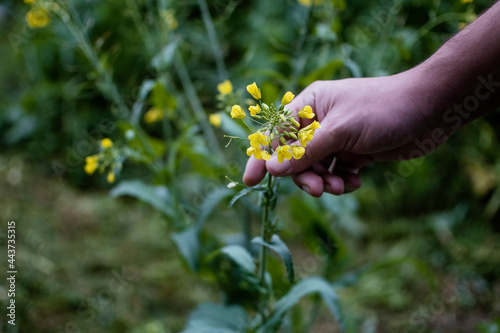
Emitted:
<point x="237" y="112"/>
<point x="153" y="115"/>
<point x="257" y="139"/>
<point x="106" y="143"/>
<point x="258" y="153"/>
<point x="169" y="18"/>
<point x="111" y="176"/>
<point x="225" y="88"/>
<point x="90" y="164"/>
<point x="306" y="112"/>
<point x="29" y="1"/>
<point x="37" y="18"/>
<point x="306" y="134"/>
<point x="298" y="151"/>
<point x="287" y="98"/>
<point x="254" y="110"/>
<point x="215" y="119"/>
<point x="283" y="153"/>
<point x="254" y="91"/>
<point x="314" y="125"/>
<point x="308" y="3"/>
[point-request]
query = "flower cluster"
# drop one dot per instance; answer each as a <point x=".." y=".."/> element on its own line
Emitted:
<point x="106" y="157"/>
<point x="278" y="126"/>
<point x="37" y="16"/>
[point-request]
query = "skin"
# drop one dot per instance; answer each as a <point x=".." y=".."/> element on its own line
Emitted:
<point x="397" y="117"/>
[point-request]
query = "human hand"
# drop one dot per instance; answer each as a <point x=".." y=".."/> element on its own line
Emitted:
<point x="362" y="121"/>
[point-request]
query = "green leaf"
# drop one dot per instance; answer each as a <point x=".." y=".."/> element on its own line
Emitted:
<point x="165" y="57"/>
<point x="278" y="246"/>
<point x="308" y="287"/>
<point x="146" y="87"/>
<point x="244" y="192"/>
<point x="157" y="196"/>
<point x="211" y="202"/>
<point x="231" y="126"/>
<point x="216" y="318"/>
<point x="323" y="73"/>
<point x="241" y="256"/>
<point x="188" y="244"/>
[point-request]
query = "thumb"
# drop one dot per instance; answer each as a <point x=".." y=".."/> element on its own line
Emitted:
<point x="317" y="149"/>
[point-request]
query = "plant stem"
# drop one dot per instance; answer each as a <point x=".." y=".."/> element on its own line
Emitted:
<point x="264" y="229"/>
<point x="214" y="42"/>
<point x="199" y="112"/>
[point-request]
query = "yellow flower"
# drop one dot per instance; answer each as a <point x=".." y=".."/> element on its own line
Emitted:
<point x="259" y="154"/>
<point x="169" y="18"/>
<point x="308" y="3"/>
<point x="298" y="151"/>
<point x="257" y="138"/>
<point x="254" y="110"/>
<point x="106" y="143"/>
<point x="111" y="176"/>
<point x="283" y="153"/>
<point x="315" y="125"/>
<point x="254" y="91"/>
<point x="237" y="112"/>
<point x="153" y="115"/>
<point x="287" y="98"/>
<point x="306" y="134"/>
<point x="37" y="18"/>
<point x="225" y="88"/>
<point x="29" y="1"/>
<point x="215" y="119"/>
<point x="306" y="112"/>
<point x="90" y="164"/>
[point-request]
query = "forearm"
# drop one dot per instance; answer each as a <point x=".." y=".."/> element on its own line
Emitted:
<point x="464" y="74"/>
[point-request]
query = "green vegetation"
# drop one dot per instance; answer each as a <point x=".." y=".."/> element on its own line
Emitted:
<point x="146" y="249"/>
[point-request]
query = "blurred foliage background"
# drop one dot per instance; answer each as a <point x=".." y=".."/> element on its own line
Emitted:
<point x="92" y="263"/>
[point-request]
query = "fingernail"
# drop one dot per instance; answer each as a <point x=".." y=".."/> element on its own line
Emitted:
<point x="306" y="189"/>
<point x="279" y="168"/>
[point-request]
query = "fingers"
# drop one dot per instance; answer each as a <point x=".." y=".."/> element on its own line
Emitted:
<point x="317" y="180"/>
<point x="255" y="171"/>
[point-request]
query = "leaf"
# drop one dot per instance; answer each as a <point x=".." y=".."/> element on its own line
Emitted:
<point x="241" y="256"/>
<point x="157" y="196"/>
<point x="165" y="57"/>
<point x="311" y="286"/>
<point x="188" y="244"/>
<point x="146" y="87"/>
<point x="278" y="246"/>
<point x="231" y="126"/>
<point x="324" y="73"/>
<point x="211" y="202"/>
<point x="244" y="192"/>
<point x="216" y="318"/>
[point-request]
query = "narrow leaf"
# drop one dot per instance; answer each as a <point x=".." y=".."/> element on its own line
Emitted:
<point x="157" y="196"/>
<point x="188" y="244"/>
<point x="211" y="202"/>
<point x="244" y="192"/>
<point x="216" y="318"/>
<point x="308" y="287"/>
<point x="278" y="246"/>
<point x="241" y="256"/>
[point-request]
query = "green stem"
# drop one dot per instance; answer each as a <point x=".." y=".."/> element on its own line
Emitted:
<point x="199" y="113"/>
<point x="300" y="56"/>
<point x="108" y="88"/>
<point x="214" y="42"/>
<point x="264" y="229"/>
